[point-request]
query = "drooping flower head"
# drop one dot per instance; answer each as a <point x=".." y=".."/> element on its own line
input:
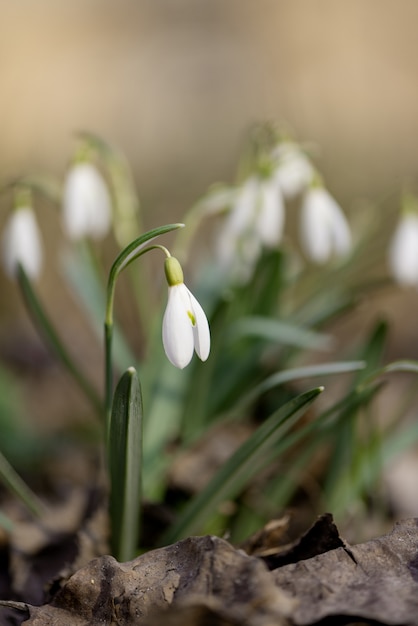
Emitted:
<point x="185" y="326"/>
<point x="21" y="240"/>
<point x="255" y="221"/>
<point x="403" y="251"/>
<point x="324" y="228"/>
<point x="87" y="207"/>
<point x="294" y="170"/>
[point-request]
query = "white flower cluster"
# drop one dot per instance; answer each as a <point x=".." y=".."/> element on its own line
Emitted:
<point x="256" y="215"/>
<point x="86" y="212"/>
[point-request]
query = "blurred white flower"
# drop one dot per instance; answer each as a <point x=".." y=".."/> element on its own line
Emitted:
<point x="217" y="200"/>
<point x="185" y="326"/>
<point x="22" y="243"/>
<point x="294" y="171"/>
<point x="86" y="203"/>
<point x="403" y="250"/>
<point x="256" y="220"/>
<point x="324" y="228"/>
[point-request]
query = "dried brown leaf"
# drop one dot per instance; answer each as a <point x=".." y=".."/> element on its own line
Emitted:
<point x="204" y="580"/>
<point x="202" y="574"/>
<point x="377" y="580"/>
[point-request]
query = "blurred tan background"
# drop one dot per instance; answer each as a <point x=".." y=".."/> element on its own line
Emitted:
<point x="176" y="84"/>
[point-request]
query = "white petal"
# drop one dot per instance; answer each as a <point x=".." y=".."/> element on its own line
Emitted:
<point x="339" y="228"/>
<point x="403" y="251"/>
<point x="294" y="171"/>
<point x="22" y="243"/>
<point x="270" y="219"/>
<point x="201" y="333"/>
<point x="237" y="224"/>
<point x="218" y="200"/>
<point x="242" y="213"/>
<point x="314" y="232"/>
<point x="178" y="339"/>
<point x="86" y="203"/>
<point x="324" y="228"/>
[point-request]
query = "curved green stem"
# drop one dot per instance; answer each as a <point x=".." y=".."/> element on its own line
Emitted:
<point x="129" y="254"/>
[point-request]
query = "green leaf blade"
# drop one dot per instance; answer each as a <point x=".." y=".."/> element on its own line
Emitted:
<point x="274" y="330"/>
<point x="234" y="474"/>
<point x="125" y="464"/>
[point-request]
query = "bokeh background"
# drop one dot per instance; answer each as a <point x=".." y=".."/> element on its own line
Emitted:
<point x="176" y="85"/>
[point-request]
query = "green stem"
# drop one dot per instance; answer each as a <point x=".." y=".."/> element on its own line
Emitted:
<point x="108" y="335"/>
<point x="51" y="337"/>
<point x="13" y="481"/>
<point x="129" y="254"/>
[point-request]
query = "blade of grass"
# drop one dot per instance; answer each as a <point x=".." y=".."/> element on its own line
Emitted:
<point x="297" y="373"/>
<point x="162" y="423"/>
<point x="236" y="472"/>
<point x="318" y="434"/>
<point x="395" y="366"/>
<point x="346" y="435"/>
<point x="50" y="335"/>
<point x="17" y="485"/>
<point x="85" y="282"/>
<point x="125" y="460"/>
<point x="274" y="330"/>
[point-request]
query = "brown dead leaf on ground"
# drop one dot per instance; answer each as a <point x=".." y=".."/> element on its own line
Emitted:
<point x="377" y="580"/>
<point x="200" y="574"/>
<point x="204" y="581"/>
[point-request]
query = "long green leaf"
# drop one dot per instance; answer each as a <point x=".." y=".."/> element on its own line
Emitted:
<point x="125" y="465"/>
<point x="17" y="485"/>
<point x="396" y="366"/>
<point x="90" y="291"/>
<point x="162" y="423"/>
<point x="278" y="331"/>
<point x="373" y="350"/>
<point x="308" y="371"/>
<point x="50" y="335"/>
<point x="240" y="468"/>
<point x="338" y="484"/>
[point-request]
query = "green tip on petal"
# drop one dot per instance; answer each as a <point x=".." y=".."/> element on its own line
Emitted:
<point x="317" y="180"/>
<point x="22" y="197"/>
<point x="173" y="272"/>
<point x="409" y="204"/>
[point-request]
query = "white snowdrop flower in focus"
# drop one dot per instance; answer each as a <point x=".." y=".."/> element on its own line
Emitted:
<point x="185" y="326"/>
<point x="294" y="171"/>
<point x="403" y="251"/>
<point x="86" y="203"/>
<point x="22" y="243"/>
<point x="324" y="227"/>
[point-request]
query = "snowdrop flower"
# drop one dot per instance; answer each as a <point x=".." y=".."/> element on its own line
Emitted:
<point x="86" y="203"/>
<point x="256" y="220"/>
<point x="324" y="228"/>
<point x="217" y="200"/>
<point x="185" y="326"/>
<point x="403" y="251"/>
<point x="294" y="171"/>
<point x="22" y="243"/>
